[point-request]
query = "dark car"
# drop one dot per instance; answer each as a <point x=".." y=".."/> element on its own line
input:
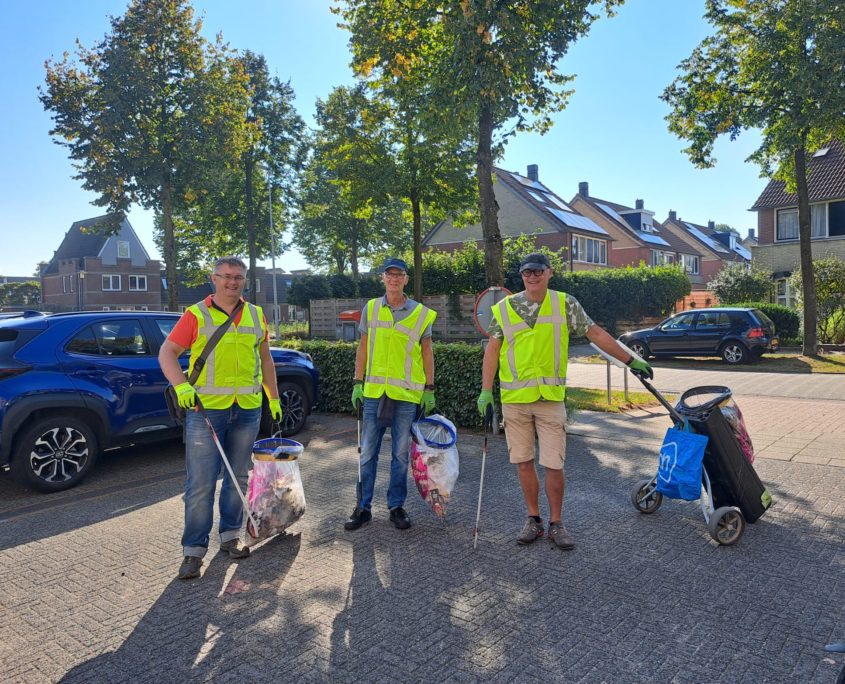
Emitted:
<point x="737" y="335"/>
<point x="75" y="384"/>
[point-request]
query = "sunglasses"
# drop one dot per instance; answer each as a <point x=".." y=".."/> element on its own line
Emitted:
<point x="532" y="271"/>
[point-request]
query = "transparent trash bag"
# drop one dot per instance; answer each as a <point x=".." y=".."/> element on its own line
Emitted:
<point x="276" y="497"/>
<point x="434" y="460"/>
<point x="730" y="410"/>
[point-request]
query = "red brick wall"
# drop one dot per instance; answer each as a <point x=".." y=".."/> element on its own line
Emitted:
<point x="765" y="226"/>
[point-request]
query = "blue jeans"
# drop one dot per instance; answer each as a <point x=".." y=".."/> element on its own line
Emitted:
<point x="371" y="436"/>
<point x="236" y="429"/>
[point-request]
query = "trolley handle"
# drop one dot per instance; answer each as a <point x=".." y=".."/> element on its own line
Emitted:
<point x="722" y="394"/>
<point x="679" y="420"/>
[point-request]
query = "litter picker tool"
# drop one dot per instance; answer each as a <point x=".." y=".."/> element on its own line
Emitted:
<point x="359" y="493"/>
<point x="488" y="423"/>
<point x="226" y="463"/>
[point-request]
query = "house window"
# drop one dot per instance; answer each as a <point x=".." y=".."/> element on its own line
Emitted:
<point x="67" y="283"/>
<point x="138" y="283"/>
<point x="257" y="286"/>
<point x="690" y="263"/>
<point x="787" y="224"/>
<point x="111" y="283"/>
<point x="106" y="308"/>
<point x="122" y="249"/>
<point x="836" y="219"/>
<point x="589" y="250"/>
<point x="818" y="220"/>
<point x="784" y="294"/>
<point x="659" y="257"/>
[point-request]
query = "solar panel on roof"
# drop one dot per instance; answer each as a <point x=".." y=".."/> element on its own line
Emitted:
<point x="744" y="253"/>
<point x="712" y="244"/>
<point x="611" y="212"/>
<point x="537" y="196"/>
<point x="563" y="205"/>
<point x="577" y="221"/>
<point x="653" y="239"/>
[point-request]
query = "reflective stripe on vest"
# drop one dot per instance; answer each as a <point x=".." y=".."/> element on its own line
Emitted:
<point x="243" y="370"/>
<point x="394" y="358"/>
<point x="524" y="372"/>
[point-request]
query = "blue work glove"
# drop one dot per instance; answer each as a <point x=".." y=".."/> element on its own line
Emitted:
<point x="357" y="394"/>
<point x="276" y="410"/>
<point x="640" y="368"/>
<point x="186" y="395"/>
<point x="427" y="402"/>
<point x="485" y="399"/>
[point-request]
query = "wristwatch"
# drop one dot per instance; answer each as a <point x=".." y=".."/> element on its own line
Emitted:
<point x="429" y="388"/>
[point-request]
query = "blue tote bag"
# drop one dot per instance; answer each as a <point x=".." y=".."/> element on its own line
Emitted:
<point x="679" y="472"/>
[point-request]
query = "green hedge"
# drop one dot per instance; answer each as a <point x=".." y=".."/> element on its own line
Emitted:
<point x="457" y="378"/>
<point x="787" y="321"/>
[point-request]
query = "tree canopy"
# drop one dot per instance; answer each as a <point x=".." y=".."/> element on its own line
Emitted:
<point x="776" y="66"/>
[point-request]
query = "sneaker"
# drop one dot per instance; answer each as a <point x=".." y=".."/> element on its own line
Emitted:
<point x="234" y="548"/>
<point x="531" y="532"/>
<point x="560" y="537"/>
<point x="190" y="568"/>
<point x="400" y="518"/>
<point x="359" y="517"/>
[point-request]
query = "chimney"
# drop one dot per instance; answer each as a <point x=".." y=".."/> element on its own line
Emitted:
<point x="584" y="189"/>
<point x="533" y="173"/>
<point x="638" y="204"/>
<point x="711" y="225"/>
<point x="673" y="215"/>
<point x="752" y="234"/>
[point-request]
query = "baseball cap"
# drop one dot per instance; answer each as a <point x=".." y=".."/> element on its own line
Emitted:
<point x="393" y="262"/>
<point x="534" y="260"/>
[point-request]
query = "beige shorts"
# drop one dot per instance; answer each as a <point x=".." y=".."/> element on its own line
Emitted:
<point x="546" y="419"/>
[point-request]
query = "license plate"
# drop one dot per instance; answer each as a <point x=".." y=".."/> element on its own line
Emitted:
<point x="775" y="344"/>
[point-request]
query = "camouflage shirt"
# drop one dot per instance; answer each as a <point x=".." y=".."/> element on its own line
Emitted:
<point x="577" y="319"/>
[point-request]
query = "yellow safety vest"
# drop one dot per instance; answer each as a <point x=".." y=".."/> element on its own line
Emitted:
<point x="233" y="369"/>
<point x="532" y="361"/>
<point x="394" y="357"/>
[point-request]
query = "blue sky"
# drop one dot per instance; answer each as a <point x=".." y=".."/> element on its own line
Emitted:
<point x="612" y="134"/>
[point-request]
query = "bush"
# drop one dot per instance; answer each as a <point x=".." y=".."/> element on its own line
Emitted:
<point x="736" y="283"/>
<point x="787" y="321"/>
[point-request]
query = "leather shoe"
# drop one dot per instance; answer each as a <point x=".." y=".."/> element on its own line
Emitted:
<point x="359" y="517"/>
<point x="400" y="518"/>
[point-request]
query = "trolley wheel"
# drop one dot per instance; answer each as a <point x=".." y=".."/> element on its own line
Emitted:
<point x="250" y="529"/>
<point x="645" y="497"/>
<point x="726" y="525"/>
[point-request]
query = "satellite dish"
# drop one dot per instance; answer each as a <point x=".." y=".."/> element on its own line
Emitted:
<point x="484" y="303"/>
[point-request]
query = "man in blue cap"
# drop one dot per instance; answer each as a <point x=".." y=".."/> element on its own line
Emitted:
<point x="394" y="379"/>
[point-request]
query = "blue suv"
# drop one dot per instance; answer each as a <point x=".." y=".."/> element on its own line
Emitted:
<point x="75" y="384"/>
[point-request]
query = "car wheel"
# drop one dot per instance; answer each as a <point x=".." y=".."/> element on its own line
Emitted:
<point x="54" y="453"/>
<point x="294" y="410"/>
<point x="640" y="349"/>
<point x="734" y="352"/>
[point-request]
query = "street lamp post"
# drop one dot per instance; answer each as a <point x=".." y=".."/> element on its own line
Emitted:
<point x="273" y="255"/>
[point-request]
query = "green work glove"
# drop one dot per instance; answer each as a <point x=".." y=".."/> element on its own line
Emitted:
<point x="357" y="394"/>
<point x="276" y="410"/>
<point x="186" y="395"/>
<point x="640" y="368"/>
<point x="485" y="399"/>
<point x="427" y="402"/>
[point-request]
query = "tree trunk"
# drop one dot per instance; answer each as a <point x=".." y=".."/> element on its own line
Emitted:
<point x="807" y="276"/>
<point x="415" y="210"/>
<point x="487" y="200"/>
<point x="250" y="226"/>
<point x="353" y="252"/>
<point x="169" y="248"/>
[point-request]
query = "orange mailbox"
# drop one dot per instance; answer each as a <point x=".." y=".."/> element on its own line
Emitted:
<point x="348" y="328"/>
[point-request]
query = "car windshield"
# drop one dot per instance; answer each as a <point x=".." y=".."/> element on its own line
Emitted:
<point x="681" y="322"/>
<point x="764" y="319"/>
<point x="7" y="342"/>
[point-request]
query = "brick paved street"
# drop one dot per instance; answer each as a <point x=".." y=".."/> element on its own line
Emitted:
<point x="87" y="591"/>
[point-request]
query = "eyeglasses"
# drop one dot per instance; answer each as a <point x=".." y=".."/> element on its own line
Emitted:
<point x="537" y="272"/>
<point x="394" y="274"/>
<point x="230" y="278"/>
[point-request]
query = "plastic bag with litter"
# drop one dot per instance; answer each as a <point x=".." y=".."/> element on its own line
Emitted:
<point x="434" y="460"/>
<point x="730" y="410"/>
<point x="276" y="497"/>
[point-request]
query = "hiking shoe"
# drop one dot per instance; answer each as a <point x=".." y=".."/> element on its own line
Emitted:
<point x="359" y="517"/>
<point x="400" y="518"/>
<point x="234" y="548"/>
<point x="560" y="537"/>
<point x="190" y="568"/>
<point x="531" y="532"/>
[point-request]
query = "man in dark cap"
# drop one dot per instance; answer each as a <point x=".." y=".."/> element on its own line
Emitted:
<point x="528" y="346"/>
<point x="394" y="379"/>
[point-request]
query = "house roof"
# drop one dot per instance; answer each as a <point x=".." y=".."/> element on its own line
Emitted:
<point x="704" y="235"/>
<point x="80" y="243"/>
<point x="556" y="213"/>
<point x="660" y="239"/>
<point x="826" y="180"/>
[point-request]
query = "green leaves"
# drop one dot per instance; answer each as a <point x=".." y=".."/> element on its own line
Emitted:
<point x="736" y="283"/>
